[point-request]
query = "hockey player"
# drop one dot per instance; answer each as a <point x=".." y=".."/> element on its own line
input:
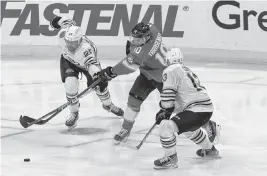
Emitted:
<point x="79" y="55"/>
<point x="145" y="51"/>
<point x="182" y="93"/>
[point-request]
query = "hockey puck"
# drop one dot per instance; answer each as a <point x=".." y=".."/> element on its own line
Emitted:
<point x="26" y="159"/>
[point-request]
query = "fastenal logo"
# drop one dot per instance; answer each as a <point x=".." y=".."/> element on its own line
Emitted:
<point x="241" y="19"/>
<point x="123" y="17"/>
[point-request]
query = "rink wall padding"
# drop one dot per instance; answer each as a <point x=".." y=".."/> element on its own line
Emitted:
<point x="118" y="52"/>
<point x="224" y="25"/>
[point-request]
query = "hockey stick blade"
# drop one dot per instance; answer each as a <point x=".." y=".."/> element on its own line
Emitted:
<point x="23" y="122"/>
<point x="28" y="119"/>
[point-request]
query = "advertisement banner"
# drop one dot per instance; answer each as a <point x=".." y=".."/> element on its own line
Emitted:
<point x="229" y="25"/>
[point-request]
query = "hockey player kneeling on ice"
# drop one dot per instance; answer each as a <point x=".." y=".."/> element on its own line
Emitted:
<point x="79" y="55"/>
<point x="182" y="93"/>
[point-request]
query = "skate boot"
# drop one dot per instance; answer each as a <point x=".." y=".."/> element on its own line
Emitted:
<point x="71" y="121"/>
<point x="121" y="136"/>
<point x="213" y="129"/>
<point x="213" y="152"/>
<point x="114" y="109"/>
<point x="166" y="162"/>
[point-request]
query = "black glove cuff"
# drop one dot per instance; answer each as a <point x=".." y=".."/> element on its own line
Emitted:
<point x="54" y="22"/>
<point x="110" y="72"/>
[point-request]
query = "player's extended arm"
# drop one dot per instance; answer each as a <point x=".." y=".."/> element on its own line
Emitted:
<point x="124" y="67"/>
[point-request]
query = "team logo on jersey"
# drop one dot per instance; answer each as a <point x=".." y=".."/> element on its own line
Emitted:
<point x="130" y="59"/>
<point x="164" y="77"/>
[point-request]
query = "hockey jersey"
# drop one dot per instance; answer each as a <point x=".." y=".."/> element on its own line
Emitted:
<point x="149" y="58"/>
<point x="84" y="57"/>
<point x="182" y="89"/>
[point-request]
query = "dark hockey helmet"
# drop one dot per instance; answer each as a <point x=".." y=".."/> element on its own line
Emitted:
<point x="140" y="34"/>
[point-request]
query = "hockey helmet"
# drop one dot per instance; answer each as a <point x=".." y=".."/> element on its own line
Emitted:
<point x="174" y="56"/>
<point x="140" y="34"/>
<point x="73" y="37"/>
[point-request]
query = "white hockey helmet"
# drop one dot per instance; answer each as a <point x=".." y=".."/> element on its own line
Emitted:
<point x="174" y="56"/>
<point x="74" y="33"/>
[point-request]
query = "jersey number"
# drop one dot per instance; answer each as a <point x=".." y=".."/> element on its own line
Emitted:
<point x="160" y="56"/>
<point x="87" y="52"/>
<point x="194" y="79"/>
<point x="137" y="50"/>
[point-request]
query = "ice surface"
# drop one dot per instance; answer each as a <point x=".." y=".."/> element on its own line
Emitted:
<point x="33" y="88"/>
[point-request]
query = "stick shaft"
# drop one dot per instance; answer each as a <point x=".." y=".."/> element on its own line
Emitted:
<point x="62" y="107"/>
<point x="147" y="134"/>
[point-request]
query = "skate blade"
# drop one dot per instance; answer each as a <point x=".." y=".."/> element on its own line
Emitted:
<point x="71" y="127"/>
<point x="172" y="166"/>
<point x="215" y="156"/>
<point x="115" y="142"/>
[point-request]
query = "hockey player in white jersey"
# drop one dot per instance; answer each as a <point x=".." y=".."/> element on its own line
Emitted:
<point x="184" y="95"/>
<point x="79" y="55"/>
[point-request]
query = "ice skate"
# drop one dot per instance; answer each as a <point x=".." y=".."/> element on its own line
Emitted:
<point x="213" y="152"/>
<point x="213" y="129"/>
<point x="71" y="121"/>
<point x="114" y="109"/>
<point x="121" y="136"/>
<point x="166" y="162"/>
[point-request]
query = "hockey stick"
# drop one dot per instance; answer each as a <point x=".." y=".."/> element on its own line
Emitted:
<point x="27" y="121"/>
<point x="147" y="134"/>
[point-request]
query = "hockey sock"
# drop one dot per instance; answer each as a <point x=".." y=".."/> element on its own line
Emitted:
<point x="169" y="143"/>
<point x="200" y="137"/>
<point x="71" y="88"/>
<point x="104" y="97"/>
<point x="167" y="137"/>
<point x="128" y="125"/>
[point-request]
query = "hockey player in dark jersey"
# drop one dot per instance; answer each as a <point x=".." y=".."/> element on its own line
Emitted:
<point x="146" y="52"/>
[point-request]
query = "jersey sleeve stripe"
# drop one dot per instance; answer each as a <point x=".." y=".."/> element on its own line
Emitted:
<point x="169" y="90"/>
<point x="90" y="61"/>
<point x="168" y="100"/>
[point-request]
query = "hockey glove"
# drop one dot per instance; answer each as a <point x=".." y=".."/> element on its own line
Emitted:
<point x="61" y="22"/>
<point x="128" y="45"/>
<point x="164" y="114"/>
<point x="105" y="75"/>
<point x="102" y="85"/>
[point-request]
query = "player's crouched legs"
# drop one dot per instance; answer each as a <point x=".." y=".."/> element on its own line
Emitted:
<point x="167" y="129"/>
<point x="200" y="137"/>
<point x="189" y="123"/>
<point x="71" y="89"/>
